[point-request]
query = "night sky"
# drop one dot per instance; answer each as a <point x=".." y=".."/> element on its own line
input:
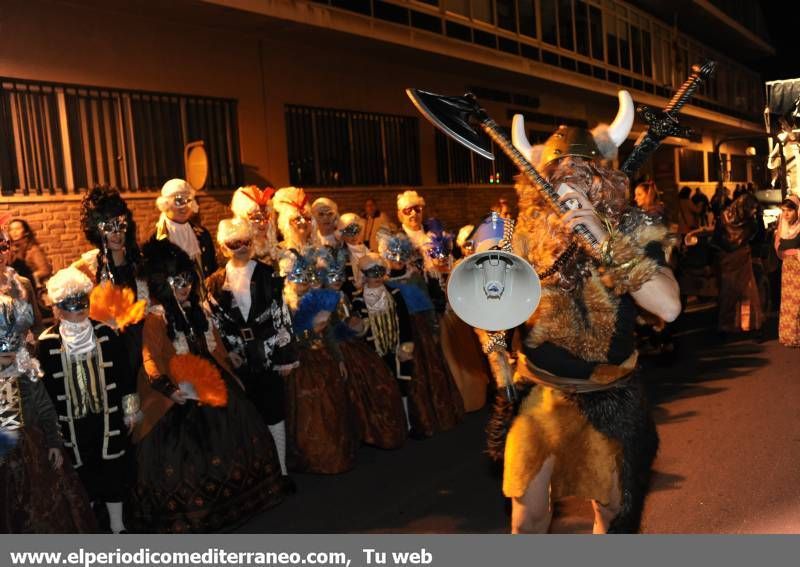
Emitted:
<point x="783" y="21"/>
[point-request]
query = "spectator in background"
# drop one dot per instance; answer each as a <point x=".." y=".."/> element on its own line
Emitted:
<point x="720" y="201"/>
<point x="700" y="200"/>
<point x="647" y="199"/>
<point x="374" y="221"/>
<point x="739" y="302"/>
<point x="27" y="256"/>
<point x="787" y="245"/>
<point x="688" y="211"/>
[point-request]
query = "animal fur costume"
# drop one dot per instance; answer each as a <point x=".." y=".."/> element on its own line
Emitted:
<point x="581" y="338"/>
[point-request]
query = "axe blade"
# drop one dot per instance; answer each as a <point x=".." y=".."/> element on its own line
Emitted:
<point x="451" y="115"/>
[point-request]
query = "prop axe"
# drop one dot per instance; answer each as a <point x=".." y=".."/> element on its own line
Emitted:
<point x="462" y="118"/>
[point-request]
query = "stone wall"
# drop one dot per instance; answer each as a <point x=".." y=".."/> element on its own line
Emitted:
<point x="56" y="218"/>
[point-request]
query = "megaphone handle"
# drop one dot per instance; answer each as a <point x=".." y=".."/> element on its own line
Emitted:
<point x="511" y="393"/>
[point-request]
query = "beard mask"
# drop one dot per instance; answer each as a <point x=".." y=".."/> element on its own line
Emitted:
<point x="540" y="236"/>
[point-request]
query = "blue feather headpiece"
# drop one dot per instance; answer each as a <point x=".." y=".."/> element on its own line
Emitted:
<point x="302" y="268"/>
<point x="396" y="247"/>
<point x="331" y="265"/>
<point x="440" y="245"/>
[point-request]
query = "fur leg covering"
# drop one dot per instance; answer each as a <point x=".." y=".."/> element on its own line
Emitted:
<point x="623" y="414"/>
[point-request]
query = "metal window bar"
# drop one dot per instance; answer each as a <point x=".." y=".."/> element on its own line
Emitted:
<point x="332" y="147"/>
<point x="31" y="145"/>
<point x="59" y="137"/>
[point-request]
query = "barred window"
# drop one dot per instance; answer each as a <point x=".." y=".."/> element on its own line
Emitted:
<point x="336" y="148"/>
<point x="690" y="164"/>
<point x="456" y="165"/>
<point x="70" y="137"/>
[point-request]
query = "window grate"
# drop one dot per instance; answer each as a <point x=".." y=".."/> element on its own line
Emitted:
<point x="56" y="137"/>
<point x="339" y="148"/>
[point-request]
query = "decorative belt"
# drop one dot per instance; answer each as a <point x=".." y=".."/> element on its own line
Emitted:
<point x="247" y="334"/>
<point x="604" y="376"/>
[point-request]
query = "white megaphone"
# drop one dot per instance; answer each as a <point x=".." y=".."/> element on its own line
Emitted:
<point x="493" y="290"/>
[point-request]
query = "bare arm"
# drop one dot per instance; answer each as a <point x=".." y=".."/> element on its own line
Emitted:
<point x="660" y="295"/>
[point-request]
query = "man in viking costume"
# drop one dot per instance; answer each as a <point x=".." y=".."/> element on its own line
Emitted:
<point x="91" y="383"/>
<point x="581" y="426"/>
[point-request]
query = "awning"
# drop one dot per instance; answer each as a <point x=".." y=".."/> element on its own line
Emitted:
<point x="782" y="95"/>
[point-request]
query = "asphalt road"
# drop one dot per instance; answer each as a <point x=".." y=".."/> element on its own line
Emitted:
<point x="728" y="414"/>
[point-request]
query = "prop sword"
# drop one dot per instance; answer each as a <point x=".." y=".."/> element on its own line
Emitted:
<point x="664" y="123"/>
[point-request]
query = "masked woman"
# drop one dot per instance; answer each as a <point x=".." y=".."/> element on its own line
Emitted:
<point x="40" y="492"/>
<point x="206" y="461"/>
<point x="295" y="221"/>
<point x="321" y="433"/>
<point x="246" y="299"/>
<point x="375" y="398"/>
<point x="254" y="206"/>
<point x="435" y="403"/>
<point x="108" y="224"/>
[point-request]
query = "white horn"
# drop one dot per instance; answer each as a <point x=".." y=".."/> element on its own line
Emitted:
<point x="619" y="129"/>
<point x="519" y="138"/>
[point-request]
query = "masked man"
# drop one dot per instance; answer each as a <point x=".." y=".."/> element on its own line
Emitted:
<point x="178" y="205"/>
<point x="89" y="379"/>
<point x="581" y="427"/>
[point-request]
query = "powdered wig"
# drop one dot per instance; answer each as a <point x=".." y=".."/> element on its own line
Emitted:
<point x="68" y="282"/>
<point x="409" y="199"/>
<point x="174" y="187"/>
<point x="232" y="229"/>
<point x="324" y="202"/>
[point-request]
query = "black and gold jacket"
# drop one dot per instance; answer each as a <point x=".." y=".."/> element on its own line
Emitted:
<point x="100" y="382"/>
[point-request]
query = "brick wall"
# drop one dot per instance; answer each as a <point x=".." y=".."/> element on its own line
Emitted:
<point x="56" y="219"/>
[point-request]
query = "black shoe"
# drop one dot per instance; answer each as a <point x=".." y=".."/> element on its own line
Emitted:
<point x="288" y="486"/>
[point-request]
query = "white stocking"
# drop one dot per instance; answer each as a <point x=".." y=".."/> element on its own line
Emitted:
<point x="115" y="516"/>
<point x="279" y="435"/>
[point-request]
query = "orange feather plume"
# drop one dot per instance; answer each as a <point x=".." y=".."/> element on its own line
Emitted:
<point x="115" y="306"/>
<point x="204" y="376"/>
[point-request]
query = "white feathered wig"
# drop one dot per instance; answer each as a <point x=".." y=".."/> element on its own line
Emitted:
<point x="290" y="203"/>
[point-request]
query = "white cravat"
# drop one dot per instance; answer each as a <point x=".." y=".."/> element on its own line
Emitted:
<point x="237" y="281"/>
<point x="182" y="235"/>
<point x="376" y="298"/>
<point x="77" y="338"/>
